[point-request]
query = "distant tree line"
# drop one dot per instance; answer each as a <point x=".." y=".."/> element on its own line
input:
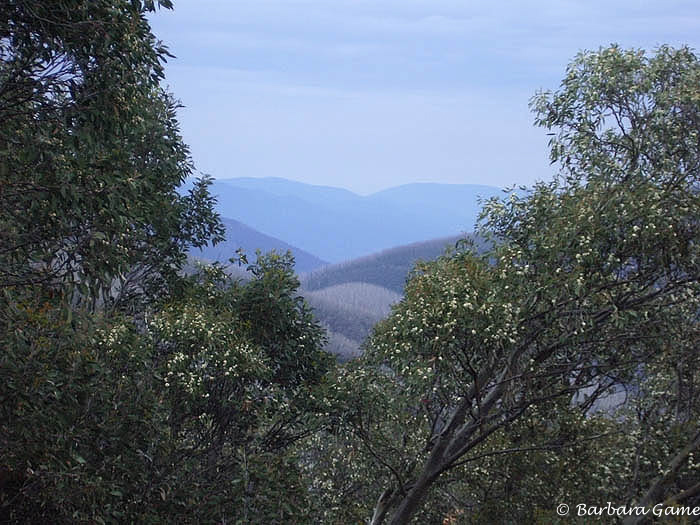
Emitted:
<point x="388" y="269"/>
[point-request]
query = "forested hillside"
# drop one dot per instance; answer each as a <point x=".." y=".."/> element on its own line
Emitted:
<point x="388" y="269"/>
<point x="348" y="299"/>
<point x="351" y="297"/>
<point x="349" y="311"/>
<point x="137" y="386"/>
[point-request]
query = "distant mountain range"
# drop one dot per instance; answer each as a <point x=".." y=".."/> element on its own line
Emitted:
<point x="348" y="298"/>
<point x="335" y="225"/>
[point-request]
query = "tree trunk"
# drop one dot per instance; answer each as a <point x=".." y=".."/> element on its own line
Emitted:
<point x="411" y="502"/>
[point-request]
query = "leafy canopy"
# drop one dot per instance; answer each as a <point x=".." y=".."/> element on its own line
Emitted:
<point x="90" y="152"/>
<point x="582" y="294"/>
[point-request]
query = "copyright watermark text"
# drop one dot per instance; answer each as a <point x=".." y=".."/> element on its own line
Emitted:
<point x="609" y="509"/>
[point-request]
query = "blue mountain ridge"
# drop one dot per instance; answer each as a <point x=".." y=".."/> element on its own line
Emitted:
<point x="336" y="225"/>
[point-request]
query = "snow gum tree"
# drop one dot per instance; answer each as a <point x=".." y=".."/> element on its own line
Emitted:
<point x="591" y="285"/>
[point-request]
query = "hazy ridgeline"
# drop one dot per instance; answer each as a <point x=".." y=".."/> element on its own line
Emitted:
<point x="347" y="311"/>
<point x="336" y="225"/>
<point x="388" y="268"/>
<point x="351" y="296"/>
<point x="239" y="235"/>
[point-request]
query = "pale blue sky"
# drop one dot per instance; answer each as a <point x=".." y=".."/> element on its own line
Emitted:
<point x="366" y="95"/>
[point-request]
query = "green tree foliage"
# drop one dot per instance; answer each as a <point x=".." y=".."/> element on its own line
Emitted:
<point x="585" y="287"/>
<point x="239" y="392"/>
<point x="195" y="417"/>
<point x="129" y="393"/>
<point x="90" y="152"/>
<point x="78" y="415"/>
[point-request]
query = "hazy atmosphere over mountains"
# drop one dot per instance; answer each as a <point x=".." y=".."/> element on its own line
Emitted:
<point x="368" y="95"/>
<point x="336" y="225"/>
